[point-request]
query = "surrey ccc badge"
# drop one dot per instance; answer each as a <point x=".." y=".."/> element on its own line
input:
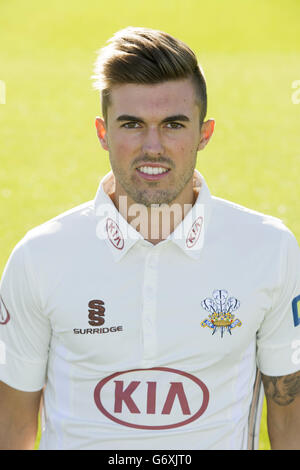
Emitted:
<point x="221" y="308"/>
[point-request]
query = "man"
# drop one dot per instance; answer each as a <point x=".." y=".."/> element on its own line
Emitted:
<point x="147" y="312"/>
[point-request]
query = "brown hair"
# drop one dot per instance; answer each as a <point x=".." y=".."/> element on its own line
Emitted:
<point x="146" y="56"/>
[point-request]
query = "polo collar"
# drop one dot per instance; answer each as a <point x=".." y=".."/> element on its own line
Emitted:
<point x="120" y="236"/>
<point x="189" y="235"/>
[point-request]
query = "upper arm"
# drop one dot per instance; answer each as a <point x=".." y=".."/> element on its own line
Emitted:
<point x="282" y="391"/>
<point x="283" y="409"/>
<point x="18" y="417"/>
<point x="26" y="332"/>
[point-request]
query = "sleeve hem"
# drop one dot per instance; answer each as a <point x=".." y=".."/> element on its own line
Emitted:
<point x="21" y="388"/>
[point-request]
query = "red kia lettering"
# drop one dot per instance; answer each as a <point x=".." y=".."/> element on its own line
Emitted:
<point x="194" y="232"/>
<point x="156" y="398"/>
<point x="114" y="234"/>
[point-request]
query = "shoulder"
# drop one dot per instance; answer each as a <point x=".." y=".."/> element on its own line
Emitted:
<point x="242" y="220"/>
<point x="243" y="214"/>
<point x="61" y="234"/>
<point x="76" y="218"/>
<point x="50" y="253"/>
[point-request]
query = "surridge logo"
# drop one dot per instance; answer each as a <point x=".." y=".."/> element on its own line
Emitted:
<point x="96" y="314"/>
<point x="4" y="313"/>
<point x="156" y="398"/>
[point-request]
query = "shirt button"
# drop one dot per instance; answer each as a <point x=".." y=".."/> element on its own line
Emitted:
<point x="151" y="263"/>
<point x="149" y="323"/>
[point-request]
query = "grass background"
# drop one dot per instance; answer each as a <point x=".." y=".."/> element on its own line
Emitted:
<point x="50" y="158"/>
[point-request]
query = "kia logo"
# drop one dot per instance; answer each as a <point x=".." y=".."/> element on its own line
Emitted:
<point x="114" y="234"/>
<point x="157" y="398"/>
<point x="4" y="313"/>
<point x="194" y="232"/>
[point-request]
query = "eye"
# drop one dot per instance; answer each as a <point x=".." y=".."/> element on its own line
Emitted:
<point x="174" y="125"/>
<point x="131" y="125"/>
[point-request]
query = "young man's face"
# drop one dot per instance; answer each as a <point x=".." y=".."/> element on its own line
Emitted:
<point x="153" y="126"/>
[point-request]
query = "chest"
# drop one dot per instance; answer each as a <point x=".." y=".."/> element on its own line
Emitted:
<point x="156" y="310"/>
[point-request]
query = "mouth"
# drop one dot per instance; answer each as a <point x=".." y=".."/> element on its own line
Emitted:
<point x="152" y="172"/>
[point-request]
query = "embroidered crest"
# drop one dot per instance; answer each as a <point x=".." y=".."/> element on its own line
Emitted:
<point x="221" y="308"/>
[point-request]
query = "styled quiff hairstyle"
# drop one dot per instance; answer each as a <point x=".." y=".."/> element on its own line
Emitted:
<point x="146" y="56"/>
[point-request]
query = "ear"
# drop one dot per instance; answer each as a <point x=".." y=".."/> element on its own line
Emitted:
<point x="101" y="132"/>
<point x="206" y="132"/>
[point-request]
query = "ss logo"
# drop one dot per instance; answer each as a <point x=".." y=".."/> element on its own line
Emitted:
<point x="96" y="312"/>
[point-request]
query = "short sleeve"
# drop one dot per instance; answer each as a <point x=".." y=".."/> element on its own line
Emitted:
<point x="278" y="338"/>
<point x="24" y="331"/>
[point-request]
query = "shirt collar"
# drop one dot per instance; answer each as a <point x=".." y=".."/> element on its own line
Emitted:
<point x="190" y="234"/>
<point x="120" y="236"/>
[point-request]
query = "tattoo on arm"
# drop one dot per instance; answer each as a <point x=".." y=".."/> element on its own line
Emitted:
<point x="282" y="390"/>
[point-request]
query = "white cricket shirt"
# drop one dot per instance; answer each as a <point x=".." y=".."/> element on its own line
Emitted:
<point x="145" y="346"/>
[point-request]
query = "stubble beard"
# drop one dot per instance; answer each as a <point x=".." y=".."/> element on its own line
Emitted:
<point x="151" y="196"/>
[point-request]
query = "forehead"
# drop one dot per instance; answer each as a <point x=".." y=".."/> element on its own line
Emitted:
<point x="154" y="101"/>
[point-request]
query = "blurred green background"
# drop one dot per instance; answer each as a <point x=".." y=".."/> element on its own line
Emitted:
<point x="50" y="158"/>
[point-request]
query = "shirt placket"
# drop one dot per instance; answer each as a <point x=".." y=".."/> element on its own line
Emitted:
<point x="149" y="313"/>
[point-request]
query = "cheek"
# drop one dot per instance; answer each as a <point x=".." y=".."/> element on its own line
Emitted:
<point x="120" y="150"/>
<point x="185" y="143"/>
<point x="185" y="150"/>
<point x="121" y="147"/>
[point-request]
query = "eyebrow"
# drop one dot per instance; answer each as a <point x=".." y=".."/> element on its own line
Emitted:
<point x="176" y="117"/>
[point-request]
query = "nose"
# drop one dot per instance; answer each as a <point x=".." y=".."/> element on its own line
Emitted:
<point x="152" y="144"/>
